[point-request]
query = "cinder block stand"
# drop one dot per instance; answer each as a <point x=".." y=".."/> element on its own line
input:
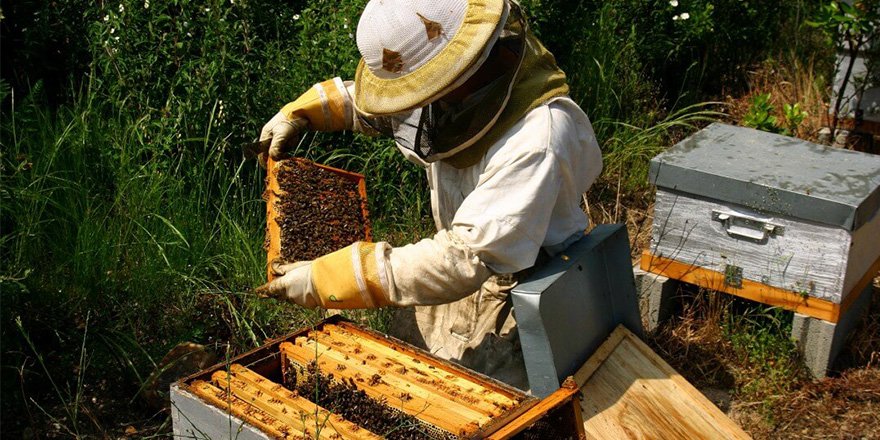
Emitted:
<point x="657" y="295"/>
<point x="820" y="341"/>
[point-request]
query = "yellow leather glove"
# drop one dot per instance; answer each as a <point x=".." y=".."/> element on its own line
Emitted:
<point x="326" y="106"/>
<point x="280" y="135"/>
<point x="346" y="279"/>
<point x="294" y="284"/>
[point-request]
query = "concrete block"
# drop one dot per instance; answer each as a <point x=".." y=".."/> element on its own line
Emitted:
<point x="821" y="341"/>
<point x="656" y="297"/>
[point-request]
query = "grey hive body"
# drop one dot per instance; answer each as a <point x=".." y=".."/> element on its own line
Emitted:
<point x="780" y="211"/>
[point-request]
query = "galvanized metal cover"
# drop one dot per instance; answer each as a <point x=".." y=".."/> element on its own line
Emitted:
<point x="773" y="174"/>
<point x="569" y="306"/>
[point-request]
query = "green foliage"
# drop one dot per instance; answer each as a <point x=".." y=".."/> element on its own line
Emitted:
<point x="848" y="25"/>
<point x="851" y="28"/>
<point x="630" y="150"/>
<point x="760" y="114"/>
<point x="794" y="116"/>
<point x="762" y="341"/>
<point x="691" y="48"/>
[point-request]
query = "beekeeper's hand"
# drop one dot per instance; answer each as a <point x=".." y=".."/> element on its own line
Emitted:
<point x="281" y="134"/>
<point x="294" y="284"/>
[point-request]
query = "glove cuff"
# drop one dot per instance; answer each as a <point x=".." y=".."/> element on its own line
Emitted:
<point x="351" y="278"/>
<point x="326" y="106"/>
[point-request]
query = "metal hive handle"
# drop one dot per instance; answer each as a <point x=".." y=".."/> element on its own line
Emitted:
<point x="746" y="226"/>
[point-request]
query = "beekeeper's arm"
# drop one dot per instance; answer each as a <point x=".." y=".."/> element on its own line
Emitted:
<point x="498" y="229"/>
<point x="327" y="106"/>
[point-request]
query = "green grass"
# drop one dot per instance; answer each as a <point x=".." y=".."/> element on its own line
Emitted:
<point x="770" y="360"/>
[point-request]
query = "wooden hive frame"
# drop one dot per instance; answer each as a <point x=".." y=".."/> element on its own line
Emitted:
<point x="449" y="400"/>
<point x="273" y="408"/>
<point x="273" y="192"/>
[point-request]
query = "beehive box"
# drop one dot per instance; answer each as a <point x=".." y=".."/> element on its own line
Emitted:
<point x="767" y="217"/>
<point x="336" y="380"/>
<point x="312" y="210"/>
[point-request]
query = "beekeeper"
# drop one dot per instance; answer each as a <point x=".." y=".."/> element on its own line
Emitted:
<point x="470" y="94"/>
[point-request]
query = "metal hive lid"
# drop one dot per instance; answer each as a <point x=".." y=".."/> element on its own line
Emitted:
<point x="774" y="174"/>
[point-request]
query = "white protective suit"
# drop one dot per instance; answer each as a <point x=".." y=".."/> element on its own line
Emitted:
<point x="514" y="199"/>
<point x="494" y="218"/>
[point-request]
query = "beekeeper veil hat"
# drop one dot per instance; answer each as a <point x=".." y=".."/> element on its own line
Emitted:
<point x="414" y="50"/>
<point x="416" y="53"/>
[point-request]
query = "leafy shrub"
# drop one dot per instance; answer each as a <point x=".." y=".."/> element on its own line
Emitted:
<point x="760" y="114"/>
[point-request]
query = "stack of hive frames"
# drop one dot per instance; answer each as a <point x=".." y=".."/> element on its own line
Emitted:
<point x="447" y="404"/>
<point x="244" y="387"/>
<point x="272" y="408"/>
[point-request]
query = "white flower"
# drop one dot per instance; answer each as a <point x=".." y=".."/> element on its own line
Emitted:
<point x="345" y="26"/>
<point x="112" y="30"/>
<point x="121" y="8"/>
<point x="685" y="15"/>
<point x="146" y="4"/>
<point x="675" y="18"/>
<point x="107" y="18"/>
<point x="673" y="3"/>
<point x="296" y="16"/>
<point x="207" y="9"/>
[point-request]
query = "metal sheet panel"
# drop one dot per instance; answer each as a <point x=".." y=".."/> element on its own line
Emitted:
<point x="567" y="308"/>
<point x="774" y="174"/>
<point x="193" y="418"/>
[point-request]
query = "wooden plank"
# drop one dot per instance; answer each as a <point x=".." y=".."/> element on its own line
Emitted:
<point x="273" y="192"/>
<point x="558" y="398"/>
<point x="588" y="368"/>
<point x="453" y="369"/>
<point x="400" y="384"/>
<point x="859" y="287"/>
<point x="633" y="393"/>
<point x="241" y="409"/>
<point x="762" y="293"/>
<point x="273" y="231"/>
<point x="808" y="256"/>
<point x="313" y="412"/>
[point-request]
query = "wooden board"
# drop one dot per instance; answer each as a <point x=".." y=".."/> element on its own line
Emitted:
<point x="631" y="393"/>
<point x="564" y="396"/>
<point x="762" y="293"/>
